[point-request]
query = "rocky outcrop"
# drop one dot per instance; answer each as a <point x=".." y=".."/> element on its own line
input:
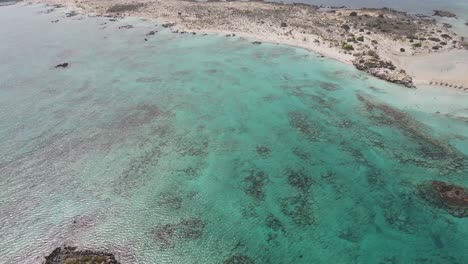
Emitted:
<point x="449" y="197"/>
<point x="384" y="70"/>
<point x="70" y="255"/>
<point x="62" y="65"/>
<point x="442" y="13"/>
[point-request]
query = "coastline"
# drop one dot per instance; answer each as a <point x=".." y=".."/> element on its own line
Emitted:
<point x="385" y="43"/>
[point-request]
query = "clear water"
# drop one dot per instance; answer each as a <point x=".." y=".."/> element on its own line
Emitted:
<point x="195" y="149"/>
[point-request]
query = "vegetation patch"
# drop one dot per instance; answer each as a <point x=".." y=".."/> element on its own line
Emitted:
<point x="348" y="47"/>
<point x="120" y="8"/>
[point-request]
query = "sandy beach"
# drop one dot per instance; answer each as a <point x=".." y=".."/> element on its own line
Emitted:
<point x="388" y="44"/>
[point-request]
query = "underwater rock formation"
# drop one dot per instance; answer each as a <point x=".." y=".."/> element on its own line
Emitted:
<point x="69" y="255"/>
<point x="442" y="13"/>
<point x="449" y="197"/>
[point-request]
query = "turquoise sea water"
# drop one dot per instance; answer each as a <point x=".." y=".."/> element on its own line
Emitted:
<point x="206" y="149"/>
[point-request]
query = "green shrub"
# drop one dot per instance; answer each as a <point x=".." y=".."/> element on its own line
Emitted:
<point x="361" y="38"/>
<point x="446" y="36"/>
<point x="348" y="47"/>
<point x="417" y="45"/>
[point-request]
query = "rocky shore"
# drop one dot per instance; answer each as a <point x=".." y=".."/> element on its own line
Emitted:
<point x="374" y="40"/>
<point x="69" y="255"/>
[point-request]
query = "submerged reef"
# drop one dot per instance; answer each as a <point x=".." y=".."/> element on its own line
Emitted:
<point x="431" y="152"/>
<point x="449" y="197"/>
<point x="69" y="255"/>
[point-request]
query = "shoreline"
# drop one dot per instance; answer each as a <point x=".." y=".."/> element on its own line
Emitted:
<point x="382" y="42"/>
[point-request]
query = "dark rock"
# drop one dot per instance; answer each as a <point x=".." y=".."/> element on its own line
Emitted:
<point x="151" y="33"/>
<point x="353" y="13"/>
<point x="447" y="25"/>
<point x="402" y="49"/>
<point x="442" y="13"/>
<point x="71" y="255"/>
<point x="449" y="197"/>
<point x="71" y="14"/>
<point x="256" y="42"/>
<point x="384" y="70"/>
<point x="54" y="21"/>
<point x="62" y="65"/>
<point x="168" y="25"/>
<point x="283" y="24"/>
<point x="126" y="27"/>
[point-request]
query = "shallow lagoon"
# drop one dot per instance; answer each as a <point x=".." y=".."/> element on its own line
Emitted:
<point x="206" y="149"/>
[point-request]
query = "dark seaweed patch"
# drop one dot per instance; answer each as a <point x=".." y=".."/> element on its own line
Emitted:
<point x="255" y="183"/>
<point x="374" y="178"/>
<point x="329" y="86"/>
<point x="194" y="149"/>
<point x="263" y="151"/>
<point x="301" y="123"/>
<point x="140" y="115"/>
<point x="303" y="155"/>
<point x="137" y="168"/>
<point x="356" y="153"/>
<point x="274" y="223"/>
<point x="239" y="259"/>
<point x="299" y="210"/>
<point x="167" y="235"/>
<point x="169" y="200"/>
<point x="191" y="229"/>
<point x="298" y="179"/>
